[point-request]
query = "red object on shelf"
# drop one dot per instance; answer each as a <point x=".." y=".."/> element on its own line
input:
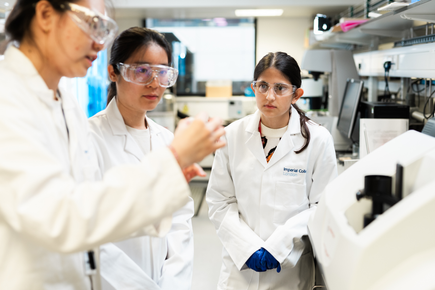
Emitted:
<point x="349" y="24"/>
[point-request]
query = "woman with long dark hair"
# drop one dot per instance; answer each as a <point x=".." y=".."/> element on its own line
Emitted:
<point x="54" y="206"/>
<point x="267" y="181"/>
<point x="140" y="71"/>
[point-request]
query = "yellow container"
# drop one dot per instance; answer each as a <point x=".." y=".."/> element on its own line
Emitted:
<point x="219" y="88"/>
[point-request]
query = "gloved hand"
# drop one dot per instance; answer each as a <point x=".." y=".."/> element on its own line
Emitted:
<point x="254" y="262"/>
<point x="269" y="261"/>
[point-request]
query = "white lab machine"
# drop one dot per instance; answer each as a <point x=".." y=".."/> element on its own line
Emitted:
<point x="340" y="66"/>
<point x="313" y="94"/>
<point x="395" y="251"/>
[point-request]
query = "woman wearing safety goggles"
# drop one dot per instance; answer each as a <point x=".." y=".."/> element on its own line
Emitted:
<point x="140" y="72"/>
<point x="267" y="182"/>
<point x="56" y="206"/>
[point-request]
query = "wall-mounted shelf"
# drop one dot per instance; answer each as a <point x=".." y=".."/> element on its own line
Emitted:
<point x="389" y="27"/>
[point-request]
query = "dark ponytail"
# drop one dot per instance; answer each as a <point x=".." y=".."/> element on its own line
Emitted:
<point x="130" y="41"/>
<point x="288" y="66"/>
<point x="17" y="24"/>
<point x="112" y="92"/>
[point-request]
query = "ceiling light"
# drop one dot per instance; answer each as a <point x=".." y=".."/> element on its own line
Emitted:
<point x="258" y="12"/>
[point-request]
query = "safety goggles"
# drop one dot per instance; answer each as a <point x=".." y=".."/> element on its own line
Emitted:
<point x="278" y="88"/>
<point x="101" y="28"/>
<point x="144" y="74"/>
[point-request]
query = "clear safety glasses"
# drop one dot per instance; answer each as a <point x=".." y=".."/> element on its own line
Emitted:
<point x="278" y="88"/>
<point x="101" y="28"/>
<point x="144" y="74"/>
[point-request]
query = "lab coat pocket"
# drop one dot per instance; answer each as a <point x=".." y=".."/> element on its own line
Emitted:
<point x="289" y="198"/>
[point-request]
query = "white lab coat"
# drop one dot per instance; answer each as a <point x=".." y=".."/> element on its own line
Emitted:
<point x="50" y="206"/>
<point x="148" y="263"/>
<point x="255" y="204"/>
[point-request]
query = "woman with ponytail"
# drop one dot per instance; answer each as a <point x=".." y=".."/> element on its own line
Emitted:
<point x="267" y="182"/>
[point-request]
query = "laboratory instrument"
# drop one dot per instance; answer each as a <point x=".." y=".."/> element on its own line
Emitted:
<point x="397" y="249"/>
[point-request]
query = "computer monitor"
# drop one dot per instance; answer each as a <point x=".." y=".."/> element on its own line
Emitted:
<point x="347" y="118"/>
<point x="429" y="128"/>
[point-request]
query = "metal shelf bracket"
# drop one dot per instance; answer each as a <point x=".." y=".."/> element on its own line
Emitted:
<point x="419" y="17"/>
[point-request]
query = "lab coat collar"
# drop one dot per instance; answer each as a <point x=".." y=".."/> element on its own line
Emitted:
<point x="20" y="64"/>
<point x="156" y="141"/>
<point x="68" y="99"/>
<point x="115" y="119"/>
<point x="154" y="128"/>
<point x="254" y="139"/>
<point x="285" y="145"/>
<point x="119" y="128"/>
<point x="294" y="124"/>
<point x="252" y="126"/>
<point x="117" y="122"/>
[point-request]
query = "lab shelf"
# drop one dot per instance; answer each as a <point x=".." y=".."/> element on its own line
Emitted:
<point x="386" y="28"/>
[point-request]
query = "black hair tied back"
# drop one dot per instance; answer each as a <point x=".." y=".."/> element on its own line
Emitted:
<point x="17" y="24"/>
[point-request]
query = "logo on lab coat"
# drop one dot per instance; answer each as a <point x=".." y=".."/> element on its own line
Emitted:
<point x="293" y="171"/>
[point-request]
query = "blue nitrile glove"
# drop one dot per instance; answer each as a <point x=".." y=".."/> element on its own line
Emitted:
<point x="269" y="261"/>
<point x="254" y="262"/>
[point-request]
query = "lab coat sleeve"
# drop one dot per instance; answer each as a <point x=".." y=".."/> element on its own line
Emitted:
<point x="239" y="240"/>
<point x="44" y="204"/>
<point x="122" y="272"/>
<point x="285" y="243"/>
<point x="158" y="230"/>
<point x="178" y="266"/>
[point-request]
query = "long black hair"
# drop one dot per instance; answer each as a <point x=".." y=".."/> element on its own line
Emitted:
<point x="130" y="41"/>
<point x="17" y="24"/>
<point x="288" y="66"/>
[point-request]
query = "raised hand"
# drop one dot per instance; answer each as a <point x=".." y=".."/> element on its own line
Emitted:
<point x="196" y="138"/>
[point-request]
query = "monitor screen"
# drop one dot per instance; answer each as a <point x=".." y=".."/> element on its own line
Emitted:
<point x="349" y="107"/>
<point x="429" y="128"/>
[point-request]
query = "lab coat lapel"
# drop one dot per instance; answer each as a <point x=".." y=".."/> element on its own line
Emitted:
<point x="132" y="148"/>
<point x="22" y="65"/>
<point x="68" y="106"/>
<point x="286" y="144"/>
<point x="19" y="63"/>
<point x="156" y="140"/>
<point x="253" y="141"/>
<point x="119" y="128"/>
